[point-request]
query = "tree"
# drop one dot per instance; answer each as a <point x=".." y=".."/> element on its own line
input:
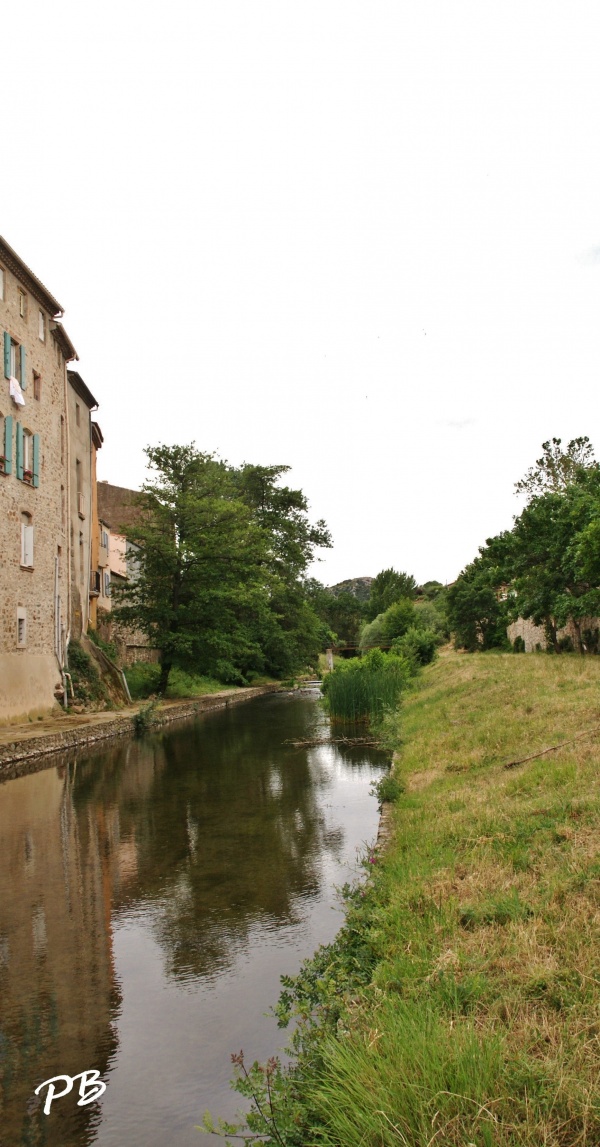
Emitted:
<point x="476" y="615"/>
<point x="294" y="634"/>
<point x="389" y="586"/>
<point x="341" y="614"/>
<point x="219" y="588"/>
<point x="557" y="468"/>
<point x="551" y="555"/>
<point x="201" y="574"/>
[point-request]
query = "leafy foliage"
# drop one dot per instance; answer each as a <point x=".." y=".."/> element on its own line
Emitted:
<point x="388" y="587"/>
<point x="557" y="468"/>
<point x="476" y="615"/>
<point x="219" y="589"/>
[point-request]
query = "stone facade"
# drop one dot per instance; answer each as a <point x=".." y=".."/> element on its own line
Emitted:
<point x="120" y="510"/>
<point x="34" y="491"/>
<point x="534" y="636"/>
<point x="80" y="404"/>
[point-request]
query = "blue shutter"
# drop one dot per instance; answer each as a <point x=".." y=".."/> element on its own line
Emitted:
<point x="6" y="354"/>
<point x="23" y="368"/>
<point x="8" y="444"/>
<point x="36" y="460"/>
<point x="19" y="451"/>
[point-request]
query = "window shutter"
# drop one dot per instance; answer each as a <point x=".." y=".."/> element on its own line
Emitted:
<point x="19" y="451"/>
<point x="8" y="444"/>
<point x="36" y="460"/>
<point x="27" y="545"/>
<point x="6" y="354"/>
<point x="23" y="368"/>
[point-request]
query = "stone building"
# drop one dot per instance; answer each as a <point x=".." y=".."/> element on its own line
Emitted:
<point x="82" y="480"/>
<point x="120" y="510"/>
<point x="35" y="496"/>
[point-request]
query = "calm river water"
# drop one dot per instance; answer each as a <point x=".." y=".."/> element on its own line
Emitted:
<point x="151" y="895"/>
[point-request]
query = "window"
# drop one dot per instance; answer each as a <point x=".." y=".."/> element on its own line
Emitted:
<point x="104" y="539"/>
<point x="42" y="326"/>
<point x="14" y="360"/>
<point x="28" y="456"/>
<point x="1" y="283"/>
<point x="37" y="386"/>
<point x="22" y="304"/>
<point x="26" y="541"/>
<point x="81" y="561"/>
<point x="21" y="627"/>
<point x="80" y="497"/>
<point x="106" y="584"/>
<point x="77" y="413"/>
<point x="62" y="437"/>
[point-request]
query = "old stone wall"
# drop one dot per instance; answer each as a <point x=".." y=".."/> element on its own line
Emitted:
<point x="534" y="636"/>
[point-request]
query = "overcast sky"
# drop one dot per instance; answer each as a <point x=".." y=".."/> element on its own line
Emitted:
<point x="361" y="239"/>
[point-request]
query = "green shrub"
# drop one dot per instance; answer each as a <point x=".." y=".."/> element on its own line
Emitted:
<point x="143" y="678"/>
<point x="88" y="685"/>
<point x="387" y="789"/>
<point x="418" y="645"/>
<point x="107" y="647"/>
<point x="144" y="718"/>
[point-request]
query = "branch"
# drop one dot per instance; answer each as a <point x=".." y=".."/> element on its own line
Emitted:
<point x="552" y="749"/>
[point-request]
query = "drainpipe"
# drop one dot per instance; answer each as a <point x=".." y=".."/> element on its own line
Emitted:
<point x="68" y="493"/>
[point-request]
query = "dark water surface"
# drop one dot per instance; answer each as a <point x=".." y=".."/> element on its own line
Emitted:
<point x="151" y="895"/>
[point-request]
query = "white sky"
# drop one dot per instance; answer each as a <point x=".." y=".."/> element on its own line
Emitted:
<point x="362" y="239"/>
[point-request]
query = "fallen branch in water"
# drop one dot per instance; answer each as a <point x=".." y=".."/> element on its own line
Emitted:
<point x="351" y="741"/>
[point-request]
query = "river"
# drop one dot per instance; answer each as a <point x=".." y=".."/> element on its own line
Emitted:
<point x="151" y="895"/>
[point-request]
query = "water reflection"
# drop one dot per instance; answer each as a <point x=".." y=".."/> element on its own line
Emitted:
<point x="174" y="869"/>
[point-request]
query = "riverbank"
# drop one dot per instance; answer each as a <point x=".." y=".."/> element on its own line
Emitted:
<point x="24" y="747"/>
<point x="460" y="1003"/>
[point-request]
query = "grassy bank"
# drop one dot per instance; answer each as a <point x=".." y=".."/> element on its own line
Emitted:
<point x="461" y="1002"/>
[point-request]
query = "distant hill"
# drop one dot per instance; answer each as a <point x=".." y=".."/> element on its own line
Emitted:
<point x="360" y="587"/>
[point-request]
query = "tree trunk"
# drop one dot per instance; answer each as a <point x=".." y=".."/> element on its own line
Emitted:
<point x="165" y="669"/>
<point x="551" y="637"/>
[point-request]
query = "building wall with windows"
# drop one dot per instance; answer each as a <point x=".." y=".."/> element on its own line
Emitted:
<point x="81" y="403"/>
<point x="34" y="495"/>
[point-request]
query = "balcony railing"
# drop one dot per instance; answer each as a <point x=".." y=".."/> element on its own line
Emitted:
<point x="94" y="582"/>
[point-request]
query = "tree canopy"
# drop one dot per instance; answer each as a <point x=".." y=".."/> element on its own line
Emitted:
<point x="223" y="552"/>
<point x="388" y="587"/>
<point x="547" y="567"/>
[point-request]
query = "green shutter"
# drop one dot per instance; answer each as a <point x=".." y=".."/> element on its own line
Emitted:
<point x="8" y="444"/>
<point x="23" y="368"/>
<point x="19" y="451"/>
<point x="36" y="460"/>
<point x="6" y="354"/>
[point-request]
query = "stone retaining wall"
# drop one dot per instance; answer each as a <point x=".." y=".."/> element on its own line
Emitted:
<point x="29" y="755"/>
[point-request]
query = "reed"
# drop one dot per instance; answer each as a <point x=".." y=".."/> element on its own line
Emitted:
<point x="362" y="689"/>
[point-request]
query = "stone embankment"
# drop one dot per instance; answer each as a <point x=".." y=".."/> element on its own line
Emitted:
<point x="29" y="746"/>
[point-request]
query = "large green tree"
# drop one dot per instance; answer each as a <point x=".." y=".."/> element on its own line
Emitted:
<point x="222" y="551"/>
<point x="388" y="587"/>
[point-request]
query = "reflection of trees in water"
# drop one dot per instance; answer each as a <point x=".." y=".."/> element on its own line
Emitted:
<point x="227" y="826"/>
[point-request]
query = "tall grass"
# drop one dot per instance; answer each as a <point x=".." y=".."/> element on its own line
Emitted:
<point x="363" y="688"/>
